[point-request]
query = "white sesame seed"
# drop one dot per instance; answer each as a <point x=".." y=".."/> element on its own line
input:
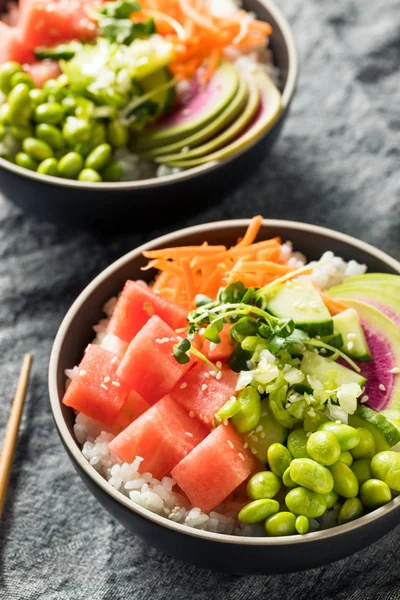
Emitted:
<point x="204" y="387"/>
<point x="364" y="399"/>
<point x="82" y="372"/>
<point x="226" y="422"/>
<point x="240" y="455"/>
<point x="218" y="375"/>
<point x="182" y="386"/>
<point x="230" y="444"/>
<point x="259" y="428"/>
<point x="351" y="336"/>
<point x="212" y="373"/>
<point x="103" y="386"/>
<point x="395" y="370"/>
<point x="114" y="360"/>
<point x="189" y="434"/>
<point x="232" y="398"/>
<point x="206" y="375"/>
<point x="206" y="419"/>
<point x="245" y="445"/>
<point x="191" y="414"/>
<point x="309" y="432"/>
<point x="218" y="364"/>
<point x="201" y="417"/>
<point x="262" y="435"/>
<point x="158" y="341"/>
<point x="253" y="450"/>
<point x="179" y="338"/>
<point x="218" y="418"/>
<point x="382" y="387"/>
<point x="350" y="345"/>
<point x="202" y="331"/>
<point x="212" y="346"/>
<point x="107" y="379"/>
<point x="165" y="340"/>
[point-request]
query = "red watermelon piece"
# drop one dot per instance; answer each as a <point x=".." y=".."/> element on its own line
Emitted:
<point x="43" y="70"/>
<point x="203" y="394"/>
<point x="148" y="365"/>
<point x="133" y="407"/>
<point x="162" y="436"/>
<point x="96" y="390"/>
<point x="12" y="47"/>
<point x="223" y="349"/>
<point x="136" y="304"/>
<point x="215" y="468"/>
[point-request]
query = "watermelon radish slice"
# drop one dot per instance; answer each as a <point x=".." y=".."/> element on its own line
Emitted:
<point x="380" y="299"/>
<point x="383" y="372"/>
<point x="206" y="104"/>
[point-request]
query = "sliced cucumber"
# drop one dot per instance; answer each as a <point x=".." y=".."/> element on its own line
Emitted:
<point x="328" y="372"/>
<point x="384" y="430"/>
<point x="348" y="324"/>
<point x="301" y="302"/>
<point x="166" y="98"/>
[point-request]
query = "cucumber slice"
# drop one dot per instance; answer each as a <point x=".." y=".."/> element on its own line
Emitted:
<point x="328" y="372"/>
<point x="347" y="323"/>
<point x="385" y="432"/>
<point x="271" y="432"/>
<point x="301" y="302"/>
<point x="166" y="98"/>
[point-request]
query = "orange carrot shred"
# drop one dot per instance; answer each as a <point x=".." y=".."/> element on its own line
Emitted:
<point x="252" y="232"/>
<point x="334" y="305"/>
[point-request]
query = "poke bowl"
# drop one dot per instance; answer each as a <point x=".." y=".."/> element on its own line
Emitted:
<point x="209" y="458"/>
<point x="144" y="108"/>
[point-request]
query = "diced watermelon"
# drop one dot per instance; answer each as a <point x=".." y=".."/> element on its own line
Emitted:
<point x="136" y="305"/>
<point x="11" y="46"/>
<point x="223" y="349"/>
<point x="148" y="365"/>
<point x="96" y="390"/>
<point x="42" y="71"/>
<point x="133" y="408"/>
<point x="162" y="436"/>
<point x="202" y="393"/>
<point x="215" y="468"/>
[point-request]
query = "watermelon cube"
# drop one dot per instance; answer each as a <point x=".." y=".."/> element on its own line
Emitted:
<point x="148" y="365"/>
<point x="162" y="436"/>
<point x="12" y="47"/>
<point x="133" y="407"/>
<point x="136" y="304"/>
<point x="201" y="393"/>
<point x="215" y="468"/>
<point x="224" y="349"/>
<point x="96" y="390"/>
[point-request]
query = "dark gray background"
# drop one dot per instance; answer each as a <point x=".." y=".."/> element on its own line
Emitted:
<point x="337" y="165"/>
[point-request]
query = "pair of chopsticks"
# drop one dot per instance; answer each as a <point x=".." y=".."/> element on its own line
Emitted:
<point x="10" y="438"/>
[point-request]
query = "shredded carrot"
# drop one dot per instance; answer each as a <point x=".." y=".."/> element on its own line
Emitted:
<point x="163" y="265"/>
<point x="252" y="232"/>
<point x="183" y="251"/>
<point x="334" y="305"/>
<point x="189" y="282"/>
<point x="263" y="266"/>
<point x="161" y="281"/>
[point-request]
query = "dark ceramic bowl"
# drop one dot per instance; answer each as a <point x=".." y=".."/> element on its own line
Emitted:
<point x="98" y="204"/>
<point x="216" y="551"/>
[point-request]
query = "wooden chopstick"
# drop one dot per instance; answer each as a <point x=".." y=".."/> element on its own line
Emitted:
<point x="10" y="438"/>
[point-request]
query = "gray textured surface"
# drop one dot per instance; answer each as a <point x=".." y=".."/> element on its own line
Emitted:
<point x="337" y="165"/>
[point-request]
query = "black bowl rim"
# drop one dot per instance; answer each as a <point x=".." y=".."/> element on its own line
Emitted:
<point x="75" y="452"/>
<point x="293" y="69"/>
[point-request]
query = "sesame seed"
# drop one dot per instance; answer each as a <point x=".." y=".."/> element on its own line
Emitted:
<point x="240" y="455"/>
<point x="212" y="346"/>
<point x="260" y="389"/>
<point x="165" y="340"/>
<point x="206" y="419"/>
<point x="189" y="434"/>
<point x="191" y="414"/>
<point x="364" y="399"/>
<point x="262" y="435"/>
<point x="115" y="383"/>
<point x="201" y="417"/>
<point x="218" y="418"/>
<point x="226" y="422"/>
<point x="202" y="331"/>
<point x="204" y="387"/>
<point x="158" y="341"/>
<point x="107" y="379"/>
<point x="245" y="445"/>
<point x="114" y="360"/>
<point x="350" y="345"/>
<point x="255" y="438"/>
<point x="232" y="398"/>
<point x="395" y="370"/>
<point x="206" y="375"/>
<point x="382" y="387"/>
<point x="253" y="450"/>
<point x="82" y="372"/>
<point x="309" y="432"/>
<point x="218" y="375"/>
<point x="103" y="386"/>
<point x="351" y="336"/>
<point x="230" y="444"/>
<point x="259" y="428"/>
<point x="212" y="373"/>
<point x="218" y="364"/>
<point x="182" y="386"/>
<point x="172" y="339"/>
<point x="179" y="338"/>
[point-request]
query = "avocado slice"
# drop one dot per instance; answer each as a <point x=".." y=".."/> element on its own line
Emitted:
<point x="383" y="297"/>
<point x="385" y="432"/>
<point x="272" y="431"/>
<point x="268" y="112"/>
<point x="347" y="323"/>
<point x="373" y="279"/>
<point x="207" y="132"/>
<point x="204" y="107"/>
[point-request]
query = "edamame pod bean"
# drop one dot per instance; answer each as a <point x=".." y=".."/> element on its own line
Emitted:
<point x="348" y="437"/>
<point x="352" y="509"/>
<point x="50" y="134"/>
<point x="362" y="470"/>
<point x="279" y="459"/>
<point x="20" y="104"/>
<point x="297" y="443"/>
<point x="375" y="493"/>
<point x="345" y="482"/>
<point x="99" y="157"/>
<point x="38" y="149"/>
<point x="250" y="410"/>
<point x="263" y="485"/>
<point x="346" y="458"/>
<point x="98" y="135"/>
<point x="84" y="108"/>
<point x="386" y="466"/>
<point x="24" y="160"/>
<point x="48" y="167"/>
<point x="301" y="501"/>
<point x="258" y="510"/>
<point x="69" y="105"/>
<point x="7" y="70"/>
<point x="22" y="77"/>
<point x="49" y="112"/>
<point x="117" y="134"/>
<point x="302" y="525"/>
<point x="112" y="172"/>
<point x="311" y="475"/>
<point x="77" y="131"/>
<point x="4" y="114"/>
<point x="323" y="447"/>
<point x="366" y="447"/>
<point x="70" y="165"/>
<point x="331" y="498"/>
<point x="281" y="523"/>
<point x="20" y="132"/>
<point x="55" y="89"/>
<point x="89" y="175"/>
<point x="287" y="480"/>
<point x="230" y="408"/>
<point x="37" y="96"/>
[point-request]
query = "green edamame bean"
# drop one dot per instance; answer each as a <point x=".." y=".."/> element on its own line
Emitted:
<point x="89" y="175"/>
<point x="20" y="104"/>
<point x="297" y="443"/>
<point x="375" y="493"/>
<point x="346" y="458"/>
<point x="279" y="459"/>
<point x="70" y="165"/>
<point x="77" y="131"/>
<point x="281" y="523"/>
<point x="84" y="108"/>
<point x="301" y="501"/>
<point x="117" y="134"/>
<point x="386" y="466"/>
<point x="258" y="510"/>
<point x="5" y="114"/>
<point x="302" y="525"/>
<point x="49" y="112"/>
<point x="112" y="172"/>
<point x="323" y="447"/>
<point x="311" y="475"/>
<point x="287" y="480"/>
<point x="348" y="437"/>
<point x="69" y="105"/>
<point x="37" y="96"/>
<point x="250" y="410"/>
<point x="24" y="160"/>
<point x="331" y="498"/>
<point x="50" y="134"/>
<point x="48" y="167"/>
<point x="352" y="509"/>
<point x="362" y="470"/>
<point x="7" y="70"/>
<point x="98" y="158"/>
<point x="366" y="447"/>
<point x="345" y="482"/>
<point x="37" y="149"/>
<point x="22" y="77"/>
<point x="20" y="132"/>
<point x="263" y="485"/>
<point x="98" y="135"/>
<point x="55" y="89"/>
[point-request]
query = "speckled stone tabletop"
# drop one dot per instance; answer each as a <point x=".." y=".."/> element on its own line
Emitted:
<point x="336" y="164"/>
